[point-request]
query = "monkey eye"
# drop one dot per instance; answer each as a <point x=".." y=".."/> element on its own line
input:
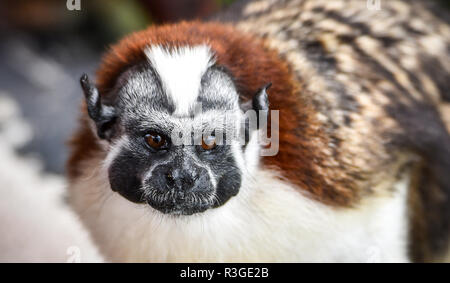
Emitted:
<point x="209" y="142"/>
<point x="156" y="140"/>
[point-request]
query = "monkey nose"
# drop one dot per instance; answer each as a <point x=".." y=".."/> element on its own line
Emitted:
<point x="181" y="179"/>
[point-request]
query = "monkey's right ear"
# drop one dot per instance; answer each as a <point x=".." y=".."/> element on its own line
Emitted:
<point x="104" y="116"/>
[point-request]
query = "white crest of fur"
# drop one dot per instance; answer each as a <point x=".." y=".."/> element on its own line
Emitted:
<point x="180" y="71"/>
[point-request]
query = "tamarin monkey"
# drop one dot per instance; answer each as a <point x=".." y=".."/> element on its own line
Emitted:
<point x="355" y="98"/>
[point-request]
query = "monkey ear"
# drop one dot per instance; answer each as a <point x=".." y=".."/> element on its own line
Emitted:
<point x="103" y="116"/>
<point x="259" y="102"/>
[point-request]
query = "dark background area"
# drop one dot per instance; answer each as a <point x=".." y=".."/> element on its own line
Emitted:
<point x="45" y="48"/>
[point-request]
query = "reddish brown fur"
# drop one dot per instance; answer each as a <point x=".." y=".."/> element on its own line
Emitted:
<point x="83" y="145"/>
<point x="252" y="66"/>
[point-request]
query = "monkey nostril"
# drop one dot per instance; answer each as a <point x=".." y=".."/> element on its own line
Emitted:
<point x="189" y="182"/>
<point x="185" y="183"/>
<point x="170" y="178"/>
<point x="195" y="176"/>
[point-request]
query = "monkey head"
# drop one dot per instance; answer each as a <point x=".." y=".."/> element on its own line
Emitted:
<point x="176" y="135"/>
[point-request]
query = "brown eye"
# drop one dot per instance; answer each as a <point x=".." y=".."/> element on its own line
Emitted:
<point x="209" y="142"/>
<point x="155" y="140"/>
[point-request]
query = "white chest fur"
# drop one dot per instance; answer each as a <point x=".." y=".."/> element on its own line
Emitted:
<point x="267" y="221"/>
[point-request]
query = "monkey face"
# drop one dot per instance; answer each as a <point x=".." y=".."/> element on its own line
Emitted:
<point x="175" y="179"/>
<point x="177" y="138"/>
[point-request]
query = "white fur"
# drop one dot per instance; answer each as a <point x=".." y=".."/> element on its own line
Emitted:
<point x="268" y="220"/>
<point x="180" y="71"/>
<point x="114" y="150"/>
<point x="35" y="223"/>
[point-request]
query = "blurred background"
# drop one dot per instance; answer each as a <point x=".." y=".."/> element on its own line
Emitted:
<point x="44" y="49"/>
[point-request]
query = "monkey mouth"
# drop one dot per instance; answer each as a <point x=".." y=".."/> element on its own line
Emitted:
<point x="179" y="202"/>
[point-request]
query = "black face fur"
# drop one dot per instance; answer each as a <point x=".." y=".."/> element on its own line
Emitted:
<point x="170" y="181"/>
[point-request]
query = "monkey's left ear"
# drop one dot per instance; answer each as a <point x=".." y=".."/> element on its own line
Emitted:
<point x="259" y="103"/>
<point x="103" y="115"/>
<point x="260" y="100"/>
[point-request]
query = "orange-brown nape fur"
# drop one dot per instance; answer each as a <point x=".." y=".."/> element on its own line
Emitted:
<point x="300" y="158"/>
